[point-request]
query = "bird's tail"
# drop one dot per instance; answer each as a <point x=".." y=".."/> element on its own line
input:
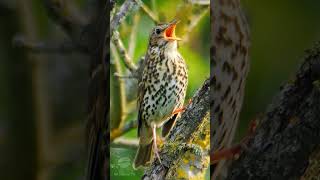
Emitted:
<point x="143" y="155"/>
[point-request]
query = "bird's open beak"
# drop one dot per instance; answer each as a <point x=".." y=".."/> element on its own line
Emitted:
<point x="169" y="33"/>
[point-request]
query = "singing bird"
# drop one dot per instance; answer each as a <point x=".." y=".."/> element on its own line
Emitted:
<point x="161" y="90"/>
<point x="230" y="66"/>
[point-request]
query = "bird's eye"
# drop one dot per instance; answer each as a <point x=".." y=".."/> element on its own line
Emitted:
<point x="157" y="31"/>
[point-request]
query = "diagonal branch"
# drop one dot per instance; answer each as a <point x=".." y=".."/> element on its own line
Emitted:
<point x="123" y="52"/>
<point x="150" y="13"/>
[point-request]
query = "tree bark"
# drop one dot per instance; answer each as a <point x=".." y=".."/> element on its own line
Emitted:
<point x="98" y="39"/>
<point x="289" y="131"/>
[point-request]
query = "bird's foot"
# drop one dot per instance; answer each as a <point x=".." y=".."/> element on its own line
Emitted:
<point x="179" y="110"/>
<point x="234" y="151"/>
<point x="156" y="151"/>
<point x="155" y="147"/>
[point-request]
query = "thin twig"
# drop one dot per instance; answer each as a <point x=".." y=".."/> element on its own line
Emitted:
<point x="124" y="76"/>
<point x="149" y="13"/>
<point x="194" y="22"/>
<point x="125" y="143"/>
<point x="133" y="35"/>
<point x="126" y="128"/>
<point x="118" y="97"/>
<point x="200" y="2"/>
<point x="42" y="47"/>
<point x="123" y="52"/>
<point x="125" y="8"/>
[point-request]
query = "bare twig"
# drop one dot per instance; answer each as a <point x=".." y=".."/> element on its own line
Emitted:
<point x="123" y="52"/>
<point x="118" y="89"/>
<point x="193" y="23"/>
<point x="126" y="128"/>
<point x="149" y="13"/>
<point x="125" y="9"/>
<point x="42" y="47"/>
<point x="124" y="76"/>
<point x="200" y="2"/>
<point x="125" y="143"/>
<point x="133" y="35"/>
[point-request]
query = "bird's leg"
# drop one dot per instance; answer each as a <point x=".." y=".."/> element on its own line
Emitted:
<point x="179" y="110"/>
<point x="154" y="133"/>
<point x="229" y="153"/>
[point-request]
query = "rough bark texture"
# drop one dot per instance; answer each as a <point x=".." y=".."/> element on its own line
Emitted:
<point x="289" y="131"/>
<point x="194" y="120"/>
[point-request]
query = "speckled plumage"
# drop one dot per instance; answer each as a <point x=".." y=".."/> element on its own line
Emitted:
<point x="230" y="65"/>
<point x="162" y="90"/>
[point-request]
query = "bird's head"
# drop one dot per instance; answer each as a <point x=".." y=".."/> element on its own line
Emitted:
<point x="164" y="35"/>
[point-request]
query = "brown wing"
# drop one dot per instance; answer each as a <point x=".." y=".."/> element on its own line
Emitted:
<point x="141" y="92"/>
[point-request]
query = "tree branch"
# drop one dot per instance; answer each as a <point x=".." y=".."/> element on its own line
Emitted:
<point x="289" y="131"/>
<point x="118" y="97"/>
<point x="65" y="14"/>
<point x="125" y="9"/>
<point x="125" y="143"/>
<point x="200" y="2"/>
<point x="42" y="47"/>
<point x="150" y="13"/>
<point x="189" y="139"/>
<point x="123" y="52"/>
<point x="133" y="35"/>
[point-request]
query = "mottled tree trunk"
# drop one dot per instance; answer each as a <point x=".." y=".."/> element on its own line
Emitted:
<point x="98" y="118"/>
<point x="289" y="131"/>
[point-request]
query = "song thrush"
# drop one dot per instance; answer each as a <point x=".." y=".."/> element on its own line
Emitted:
<point x="161" y="91"/>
